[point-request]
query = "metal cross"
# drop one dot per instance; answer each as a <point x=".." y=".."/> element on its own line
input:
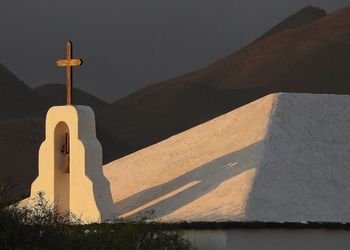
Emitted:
<point x="69" y="63"/>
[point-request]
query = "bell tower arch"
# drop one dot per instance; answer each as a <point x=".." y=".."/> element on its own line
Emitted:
<point x="70" y="164"/>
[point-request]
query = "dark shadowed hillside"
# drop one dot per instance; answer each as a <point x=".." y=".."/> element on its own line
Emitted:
<point x="304" y="16"/>
<point x="17" y="99"/>
<point x="311" y="58"/>
<point x="57" y="94"/>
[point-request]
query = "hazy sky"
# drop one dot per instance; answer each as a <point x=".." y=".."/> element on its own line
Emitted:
<point x="127" y="44"/>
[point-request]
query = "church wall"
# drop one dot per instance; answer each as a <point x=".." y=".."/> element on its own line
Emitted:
<point x="305" y="172"/>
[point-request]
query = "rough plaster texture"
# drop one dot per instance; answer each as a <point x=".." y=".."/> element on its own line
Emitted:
<point x="83" y="191"/>
<point x="284" y="157"/>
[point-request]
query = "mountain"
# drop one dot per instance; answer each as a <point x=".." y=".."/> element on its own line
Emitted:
<point x="311" y="58"/>
<point x="20" y="139"/>
<point x="56" y="93"/>
<point x="21" y="112"/>
<point x="304" y="16"/>
<point x="17" y="99"/>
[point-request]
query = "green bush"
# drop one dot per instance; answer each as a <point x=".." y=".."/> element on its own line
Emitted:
<point x="41" y="226"/>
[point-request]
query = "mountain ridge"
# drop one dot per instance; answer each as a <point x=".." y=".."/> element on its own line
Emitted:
<point x="304" y="16"/>
<point x="307" y="59"/>
<point x="14" y="94"/>
<point x="56" y="92"/>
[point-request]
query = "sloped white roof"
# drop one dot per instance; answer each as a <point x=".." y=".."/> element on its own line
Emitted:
<point x="284" y="157"/>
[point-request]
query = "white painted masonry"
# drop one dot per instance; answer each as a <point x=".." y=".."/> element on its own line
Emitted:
<point x="284" y="157"/>
<point x="83" y="190"/>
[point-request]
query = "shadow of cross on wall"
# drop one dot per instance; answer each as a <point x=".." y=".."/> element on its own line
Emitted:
<point x="192" y="185"/>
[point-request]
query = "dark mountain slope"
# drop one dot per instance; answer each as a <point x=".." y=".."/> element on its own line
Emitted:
<point x="304" y="16"/>
<point x="57" y="94"/>
<point x="17" y="99"/>
<point x="311" y="58"/>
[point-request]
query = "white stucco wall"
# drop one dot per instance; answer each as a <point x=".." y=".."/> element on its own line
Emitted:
<point x="284" y="157"/>
<point x="204" y="173"/>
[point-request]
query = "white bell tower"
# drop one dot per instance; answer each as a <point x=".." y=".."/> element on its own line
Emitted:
<point x="70" y="159"/>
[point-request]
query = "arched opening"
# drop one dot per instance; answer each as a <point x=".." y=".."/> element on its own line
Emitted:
<point x="62" y="165"/>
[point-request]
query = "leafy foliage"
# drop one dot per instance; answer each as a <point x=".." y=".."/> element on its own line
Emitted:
<point x="41" y="226"/>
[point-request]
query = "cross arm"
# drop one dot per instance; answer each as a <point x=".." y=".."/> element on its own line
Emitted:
<point x="69" y="62"/>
